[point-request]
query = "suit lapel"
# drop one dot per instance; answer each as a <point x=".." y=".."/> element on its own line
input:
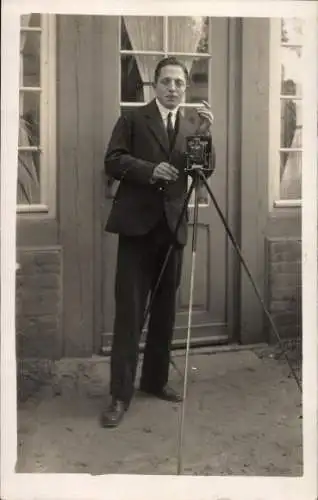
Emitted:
<point x="157" y="128"/>
<point x="156" y="125"/>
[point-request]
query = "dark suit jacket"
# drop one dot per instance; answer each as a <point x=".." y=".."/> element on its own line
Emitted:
<point x="138" y="143"/>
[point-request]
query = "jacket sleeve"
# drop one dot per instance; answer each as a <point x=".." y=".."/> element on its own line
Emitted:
<point x="119" y="161"/>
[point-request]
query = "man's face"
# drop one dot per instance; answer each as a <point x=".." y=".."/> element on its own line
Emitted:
<point x="171" y="86"/>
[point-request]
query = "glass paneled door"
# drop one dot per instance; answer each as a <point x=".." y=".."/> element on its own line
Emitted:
<point x="201" y="42"/>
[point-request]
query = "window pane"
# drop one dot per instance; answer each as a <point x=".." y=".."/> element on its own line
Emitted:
<point x="142" y="33"/>
<point x="291" y="123"/>
<point x="35" y="20"/>
<point x="291" y="71"/>
<point x="30" y="60"/>
<point x="290" y="183"/>
<point x="29" y="134"/>
<point x="32" y="20"/>
<point x="137" y="74"/>
<point x="292" y="30"/>
<point x="198" y="83"/>
<point x="188" y="34"/>
<point x="28" y="177"/>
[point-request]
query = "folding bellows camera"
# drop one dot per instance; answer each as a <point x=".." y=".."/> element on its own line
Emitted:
<point x="198" y="153"/>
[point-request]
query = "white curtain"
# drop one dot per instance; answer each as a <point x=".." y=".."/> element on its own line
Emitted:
<point x="27" y="175"/>
<point x="143" y="33"/>
<point x="184" y="36"/>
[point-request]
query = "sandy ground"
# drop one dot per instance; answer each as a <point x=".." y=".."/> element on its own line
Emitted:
<point x="243" y="417"/>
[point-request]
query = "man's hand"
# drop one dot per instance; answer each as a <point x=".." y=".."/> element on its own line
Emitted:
<point x="165" y="172"/>
<point x="206" y="118"/>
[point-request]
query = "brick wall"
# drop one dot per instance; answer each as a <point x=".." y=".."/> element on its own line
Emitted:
<point x="284" y="285"/>
<point x="39" y="303"/>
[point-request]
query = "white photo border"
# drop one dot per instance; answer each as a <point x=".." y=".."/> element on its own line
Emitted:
<point x="85" y="486"/>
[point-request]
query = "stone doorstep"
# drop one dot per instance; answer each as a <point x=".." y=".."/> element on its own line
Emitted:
<point x="90" y="376"/>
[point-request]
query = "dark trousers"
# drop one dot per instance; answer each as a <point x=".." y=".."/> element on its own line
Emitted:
<point x="139" y="261"/>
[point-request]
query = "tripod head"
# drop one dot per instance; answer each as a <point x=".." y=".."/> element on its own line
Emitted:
<point x="198" y="154"/>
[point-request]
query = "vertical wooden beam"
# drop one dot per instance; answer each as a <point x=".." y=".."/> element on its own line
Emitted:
<point x="76" y="85"/>
<point x="111" y="111"/>
<point x="98" y="182"/>
<point x="106" y="111"/>
<point x="254" y="160"/>
<point x="218" y="181"/>
<point x="234" y="173"/>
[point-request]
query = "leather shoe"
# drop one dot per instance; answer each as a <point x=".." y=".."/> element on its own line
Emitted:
<point x="166" y="393"/>
<point x="113" y="415"/>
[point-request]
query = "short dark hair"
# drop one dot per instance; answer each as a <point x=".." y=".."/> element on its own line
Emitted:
<point x="170" y="61"/>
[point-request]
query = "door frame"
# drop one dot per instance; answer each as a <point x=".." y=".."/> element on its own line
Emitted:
<point x="234" y="161"/>
<point x="108" y="50"/>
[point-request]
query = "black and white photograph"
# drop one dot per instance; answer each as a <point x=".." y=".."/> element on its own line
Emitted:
<point x="159" y="295"/>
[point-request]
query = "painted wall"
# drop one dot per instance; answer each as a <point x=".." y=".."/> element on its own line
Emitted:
<point x="261" y="225"/>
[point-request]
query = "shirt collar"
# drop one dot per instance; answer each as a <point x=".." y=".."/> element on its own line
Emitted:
<point x="164" y="111"/>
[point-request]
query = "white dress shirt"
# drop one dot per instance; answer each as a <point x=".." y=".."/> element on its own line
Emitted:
<point x="164" y="113"/>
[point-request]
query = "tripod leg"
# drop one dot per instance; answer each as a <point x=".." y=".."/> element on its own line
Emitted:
<point x="172" y="362"/>
<point x="185" y="205"/>
<point x="185" y="380"/>
<point x="239" y="253"/>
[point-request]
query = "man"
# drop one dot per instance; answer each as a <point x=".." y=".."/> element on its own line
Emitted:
<point x="146" y="154"/>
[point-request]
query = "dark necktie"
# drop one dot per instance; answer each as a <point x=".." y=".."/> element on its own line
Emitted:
<point x="170" y="129"/>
